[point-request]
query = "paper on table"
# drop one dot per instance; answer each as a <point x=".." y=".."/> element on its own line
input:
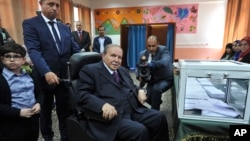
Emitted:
<point x="204" y="81"/>
<point x="195" y="90"/>
<point x="215" y="106"/>
<point x="214" y="92"/>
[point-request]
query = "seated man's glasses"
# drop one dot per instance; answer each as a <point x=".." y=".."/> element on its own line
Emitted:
<point x="14" y="57"/>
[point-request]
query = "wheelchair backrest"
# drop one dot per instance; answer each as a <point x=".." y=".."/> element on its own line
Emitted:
<point x="77" y="61"/>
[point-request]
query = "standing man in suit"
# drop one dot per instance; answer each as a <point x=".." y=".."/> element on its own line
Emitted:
<point x="50" y="45"/>
<point x="81" y="37"/>
<point x="161" y="72"/>
<point x="107" y="89"/>
<point x="101" y="41"/>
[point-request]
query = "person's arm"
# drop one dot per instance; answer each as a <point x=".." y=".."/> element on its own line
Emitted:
<point x="92" y="106"/>
<point x="32" y="43"/>
<point x="5" y="108"/>
<point x="142" y="95"/>
<point x="95" y="44"/>
<point x="107" y="41"/>
<point x="38" y="96"/>
<point x="163" y="61"/>
<point x="85" y="91"/>
<point x="87" y="42"/>
<point x="74" y="46"/>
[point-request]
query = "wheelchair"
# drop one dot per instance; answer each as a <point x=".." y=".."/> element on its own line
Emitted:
<point x="75" y="127"/>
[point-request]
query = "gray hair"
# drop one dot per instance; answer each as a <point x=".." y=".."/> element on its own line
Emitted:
<point x="109" y="46"/>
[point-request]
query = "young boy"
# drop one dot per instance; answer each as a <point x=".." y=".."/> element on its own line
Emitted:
<point x="20" y="97"/>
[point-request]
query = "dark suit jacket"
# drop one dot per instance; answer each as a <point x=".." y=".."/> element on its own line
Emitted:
<point x="10" y="116"/>
<point x="85" y="42"/>
<point x="161" y="65"/>
<point x="96" y="87"/>
<point x="96" y="44"/>
<point x="42" y="48"/>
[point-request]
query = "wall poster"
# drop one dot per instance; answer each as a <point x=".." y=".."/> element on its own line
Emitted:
<point x="185" y="17"/>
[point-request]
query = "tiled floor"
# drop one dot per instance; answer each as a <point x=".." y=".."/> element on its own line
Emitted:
<point x="166" y="108"/>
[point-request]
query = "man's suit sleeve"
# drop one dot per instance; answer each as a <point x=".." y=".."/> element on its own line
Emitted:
<point x="86" y="88"/>
<point x="87" y="44"/>
<point x="164" y="59"/>
<point x="95" y="44"/>
<point x="110" y="40"/>
<point x="74" y="46"/>
<point x="5" y="106"/>
<point x="73" y="35"/>
<point x="32" y="43"/>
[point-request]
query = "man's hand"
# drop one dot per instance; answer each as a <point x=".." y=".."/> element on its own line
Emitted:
<point x="27" y="113"/>
<point x="142" y="97"/>
<point x="108" y="111"/>
<point x="51" y="78"/>
<point x="140" y="79"/>
<point x="36" y="108"/>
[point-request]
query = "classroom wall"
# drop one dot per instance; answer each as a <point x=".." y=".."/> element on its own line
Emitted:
<point x="83" y="2"/>
<point x="207" y="43"/>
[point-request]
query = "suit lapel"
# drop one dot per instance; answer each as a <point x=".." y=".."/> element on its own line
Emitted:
<point x="45" y="28"/>
<point x="83" y="36"/>
<point x="77" y="36"/>
<point x="61" y="31"/>
<point x="126" y="80"/>
<point x="105" y="73"/>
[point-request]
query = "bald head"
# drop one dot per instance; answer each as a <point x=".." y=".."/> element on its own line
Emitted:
<point x="153" y="37"/>
<point x="152" y="44"/>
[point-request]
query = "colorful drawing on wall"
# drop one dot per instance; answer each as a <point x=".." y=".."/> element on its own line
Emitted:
<point x="112" y="18"/>
<point x="185" y="17"/>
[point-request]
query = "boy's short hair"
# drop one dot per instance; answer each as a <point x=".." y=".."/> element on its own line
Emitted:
<point x="12" y="47"/>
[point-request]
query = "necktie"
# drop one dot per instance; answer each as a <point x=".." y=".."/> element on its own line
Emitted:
<point x="58" y="42"/>
<point x="80" y="35"/>
<point x="117" y="77"/>
<point x="152" y="56"/>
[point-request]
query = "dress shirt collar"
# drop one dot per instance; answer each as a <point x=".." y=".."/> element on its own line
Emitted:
<point x="110" y="71"/>
<point x="101" y="37"/>
<point x="9" y="74"/>
<point x="47" y="20"/>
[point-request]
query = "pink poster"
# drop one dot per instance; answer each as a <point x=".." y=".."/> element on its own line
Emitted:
<point x="185" y="16"/>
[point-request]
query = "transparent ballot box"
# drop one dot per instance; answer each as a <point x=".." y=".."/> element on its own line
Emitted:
<point x="213" y="90"/>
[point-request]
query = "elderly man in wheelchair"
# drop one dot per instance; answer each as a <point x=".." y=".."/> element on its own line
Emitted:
<point x="109" y="107"/>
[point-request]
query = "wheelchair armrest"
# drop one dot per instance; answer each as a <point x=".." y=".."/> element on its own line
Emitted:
<point x="92" y="115"/>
